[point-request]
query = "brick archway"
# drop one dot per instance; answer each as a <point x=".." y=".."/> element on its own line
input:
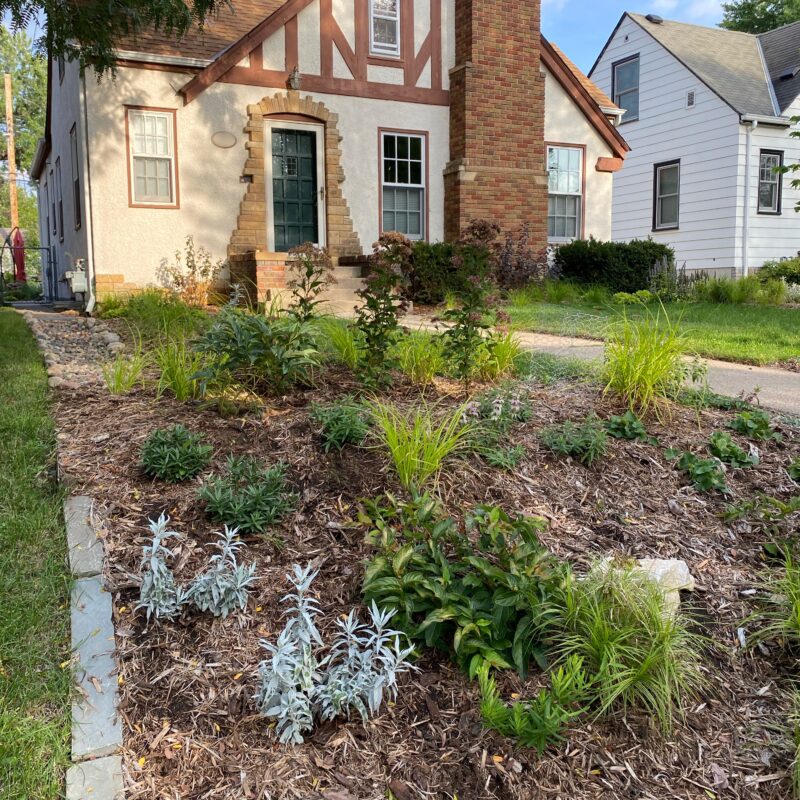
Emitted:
<point x="250" y="236"/>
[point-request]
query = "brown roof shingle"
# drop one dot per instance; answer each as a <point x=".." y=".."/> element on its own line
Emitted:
<point x="596" y="93"/>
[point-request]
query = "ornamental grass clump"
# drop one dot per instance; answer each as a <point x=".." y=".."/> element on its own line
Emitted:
<point x="174" y="454"/>
<point x="178" y="366"/>
<point x="159" y="595"/>
<point x="225" y="586"/>
<point x="125" y="372"/>
<point x="419" y="356"/>
<point x="637" y="649"/>
<point x="779" y="615"/>
<point x="340" y="341"/>
<point x="419" y="439"/>
<point x="248" y="495"/>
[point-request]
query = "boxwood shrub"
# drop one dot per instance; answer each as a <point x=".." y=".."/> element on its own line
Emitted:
<point x="620" y="266"/>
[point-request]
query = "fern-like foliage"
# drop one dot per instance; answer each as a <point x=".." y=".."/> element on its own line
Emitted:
<point x="159" y="595"/>
<point x="225" y="586"/>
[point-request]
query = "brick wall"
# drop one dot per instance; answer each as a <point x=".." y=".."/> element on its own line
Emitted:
<point x="497" y="167"/>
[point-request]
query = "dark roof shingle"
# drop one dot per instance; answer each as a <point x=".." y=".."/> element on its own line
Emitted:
<point x="781" y="49"/>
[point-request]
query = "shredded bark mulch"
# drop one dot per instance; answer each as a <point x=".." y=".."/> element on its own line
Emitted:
<point x="191" y="729"/>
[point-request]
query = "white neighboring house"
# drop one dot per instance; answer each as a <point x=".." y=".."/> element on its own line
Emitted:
<point x="707" y="116"/>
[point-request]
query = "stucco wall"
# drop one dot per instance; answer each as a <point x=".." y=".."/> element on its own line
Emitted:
<point x="133" y="241"/>
<point x="564" y="123"/>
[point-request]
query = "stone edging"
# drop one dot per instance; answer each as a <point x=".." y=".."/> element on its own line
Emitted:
<point x="96" y="729"/>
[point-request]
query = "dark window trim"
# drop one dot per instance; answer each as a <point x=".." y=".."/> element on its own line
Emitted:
<point x="77" y="211"/>
<point x="768" y="152"/>
<point x="60" y="199"/>
<point x="656" y="168"/>
<point x="614" y="66"/>
<point x="61" y="68"/>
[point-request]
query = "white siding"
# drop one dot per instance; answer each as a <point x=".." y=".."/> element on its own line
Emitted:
<point x="705" y="139"/>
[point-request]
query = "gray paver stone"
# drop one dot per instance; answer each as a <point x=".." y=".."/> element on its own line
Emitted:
<point x="100" y="779"/>
<point x="85" y="549"/>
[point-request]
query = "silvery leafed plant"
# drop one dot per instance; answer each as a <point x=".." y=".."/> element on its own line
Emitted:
<point x="159" y="595"/>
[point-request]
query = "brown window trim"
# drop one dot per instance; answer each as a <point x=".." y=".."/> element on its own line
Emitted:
<point x="656" y="167"/>
<point x="582" y="148"/>
<point x="777" y="213"/>
<point x="427" y="211"/>
<point x="176" y="165"/>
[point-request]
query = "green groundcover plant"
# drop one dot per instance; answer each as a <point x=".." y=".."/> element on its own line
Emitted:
<point x="755" y="424"/>
<point x="341" y="423"/>
<point x="174" y="454"/>
<point x="586" y="441"/>
<point x="705" y="473"/>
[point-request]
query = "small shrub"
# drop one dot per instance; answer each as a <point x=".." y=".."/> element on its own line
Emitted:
<point x="540" y="722"/>
<point x="376" y="317"/>
<point x="248" y="495"/>
<point x="432" y="273"/>
<point x="517" y="264"/>
<point x="225" y="586"/>
<point x="125" y="372"/>
<point x="503" y="457"/>
<point x="344" y="422"/>
<point x="419" y="356"/>
<point x="585" y="441"/>
<point x="787" y="270"/>
<point x="755" y="424"/>
<point x="417" y="442"/>
<point x="627" y="426"/>
<point x="341" y="340"/>
<point x="192" y="273"/>
<point x="310" y="273"/>
<point x="636" y="649"/>
<point x="644" y="361"/>
<point x="174" y="454"/>
<point x="794" y="469"/>
<point x="492" y="587"/>
<point x="178" y="364"/>
<point x="706" y="473"/>
<point x="159" y="595"/>
<point x="726" y="450"/>
<point x="773" y="293"/>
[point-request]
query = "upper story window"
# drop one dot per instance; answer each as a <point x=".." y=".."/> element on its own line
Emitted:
<point x="625" y="87"/>
<point x="59" y="200"/>
<point x="384" y="19"/>
<point x="151" y="145"/>
<point x="769" y="181"/>
<point x="564" y="192"/>
<point x="667" y="195"/>
<point x="61" y="68"/>
<point x="403" y="184"/>
<point x="76" y="182"/>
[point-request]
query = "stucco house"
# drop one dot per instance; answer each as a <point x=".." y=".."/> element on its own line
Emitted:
<point x="322" y="120"/>
<point x="708" y="118"/>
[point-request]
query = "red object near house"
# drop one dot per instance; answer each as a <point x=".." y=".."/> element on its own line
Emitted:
<point x="18" y="254"/>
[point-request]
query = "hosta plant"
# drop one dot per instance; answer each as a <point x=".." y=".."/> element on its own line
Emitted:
<point x="174" y="454"/>
<point x="725" y="449"/>
<point x="225" y="586"/>
<point x="481" y="598"/>
<point x="705" y="473"/>
<point x="300" y="682"/>
<point x="159" y="595"/>
<point x="248" y="495"/>
<point x="755" y="424"/>
<point x="586" y="441"/>
<point x="344" y="422"/>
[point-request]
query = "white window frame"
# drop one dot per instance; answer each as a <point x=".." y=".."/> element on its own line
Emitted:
<point x="319" y="140"/>
<point x="379" y="48"/>
<point x="774" y="180"/>
<point x="618" y="94"/>
<point x="578" y="194"/>
<point x="658" y="197"/>
<point x="422" y="186"/>
<point x="171" y="117"/>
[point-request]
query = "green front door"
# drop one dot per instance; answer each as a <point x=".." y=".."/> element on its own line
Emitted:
<point x="294" y="187"/>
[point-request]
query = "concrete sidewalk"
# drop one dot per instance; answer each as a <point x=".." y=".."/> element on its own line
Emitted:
<point x="779" y="389"/>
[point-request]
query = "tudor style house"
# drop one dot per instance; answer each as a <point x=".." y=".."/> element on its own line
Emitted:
<point x="328" y="121"/>
<point x="708" y="118"/>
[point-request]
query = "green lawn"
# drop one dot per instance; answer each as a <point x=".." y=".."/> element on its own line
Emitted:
<point x="34" y="581"/>
<point x="748" y="333"/>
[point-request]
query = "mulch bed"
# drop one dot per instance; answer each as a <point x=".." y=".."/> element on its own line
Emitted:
<point x="191" y="730"/>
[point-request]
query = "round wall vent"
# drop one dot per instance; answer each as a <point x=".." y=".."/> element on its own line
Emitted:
<point x="223" y="139"/>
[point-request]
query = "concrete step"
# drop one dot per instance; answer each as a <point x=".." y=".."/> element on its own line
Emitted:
<point x="348" y="271"/>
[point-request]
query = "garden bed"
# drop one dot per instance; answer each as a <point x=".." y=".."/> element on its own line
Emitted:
<point x="191" y="728"/>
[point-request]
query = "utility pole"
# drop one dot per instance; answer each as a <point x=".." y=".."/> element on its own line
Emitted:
<point x="12" y="155"/>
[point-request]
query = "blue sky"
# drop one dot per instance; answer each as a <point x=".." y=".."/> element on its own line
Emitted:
<point x="581" y="27"/>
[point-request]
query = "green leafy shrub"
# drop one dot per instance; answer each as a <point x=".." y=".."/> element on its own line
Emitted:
<point x="340" y="340"/>
<point x="174" y="454"/>
<point x="727" y="290"/>
<point x="125" y="372"/>
<point x="586" y="441"/>
<point x="433" y="273"/>
<point x="643" y="296"/>
<point x="644" y="361"/>
<point x="419" y="356"/>
<point x="178" y="366"/>
<point x="376" y="317"/>
<point x="506" y="458"/>
<point x="755" y="424"/>
<point x="482" y="598"/>
<point x="788" y="270"/>
<point x="705" y="473"/>
<point x="310" y="273"/>
<point x="794" y="469"/>
<point x="725" y="449"/>
<point x="417" y="441"/>
<point x="620" y="266"/>
<point x="636" y="648"/>
<point x="343" y="422"/>
<point x="256" y="352"/>
<point x="627" y="426"/>
<point x="248" y="495"/>
<point x="540" y="722"/>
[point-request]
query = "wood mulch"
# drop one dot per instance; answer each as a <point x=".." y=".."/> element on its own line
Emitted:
<point x="191" y="730"/>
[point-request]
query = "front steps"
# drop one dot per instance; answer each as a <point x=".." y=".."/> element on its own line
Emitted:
<point x="340" y="297"/>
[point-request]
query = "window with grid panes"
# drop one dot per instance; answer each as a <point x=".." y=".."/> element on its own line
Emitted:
<point x="152" y="157"/>
<point x="384" y="27"/>
<point x="403" y="184"/>
<point x="564" y="192"/>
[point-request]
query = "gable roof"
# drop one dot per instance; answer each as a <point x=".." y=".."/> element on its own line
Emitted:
<point x="781" y="49"/>
<point x="595" y="92"/>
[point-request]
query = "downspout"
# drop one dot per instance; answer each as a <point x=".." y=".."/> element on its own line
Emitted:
<point x="87" y="195"/>
<point x="751" y="126"/>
